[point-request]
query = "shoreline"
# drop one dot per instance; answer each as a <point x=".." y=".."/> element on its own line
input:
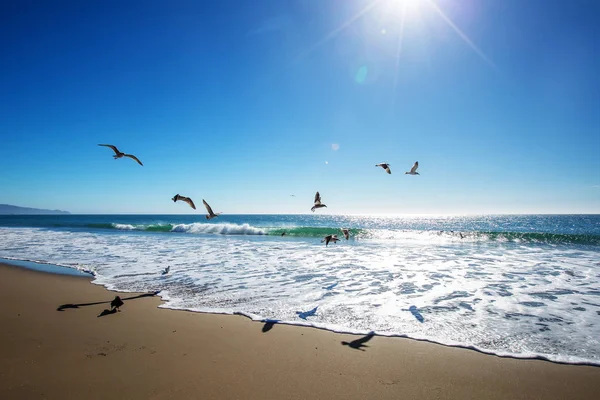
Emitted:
<point x="150" y="352"/>
<point x="74" y="272"/>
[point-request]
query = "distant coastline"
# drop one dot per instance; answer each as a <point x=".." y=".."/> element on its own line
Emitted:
<point x="7" y="209"/>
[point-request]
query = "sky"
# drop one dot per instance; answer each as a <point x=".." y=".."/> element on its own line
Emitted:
<point x="255" y="106"/>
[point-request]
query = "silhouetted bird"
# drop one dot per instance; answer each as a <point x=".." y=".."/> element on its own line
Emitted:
<point x="183" y="198"/>
<point x="119" y="154"/>
<point x="330" y="238"/>
<point x="116" y="303"/>
<point x="317" y="203"/>
<point x="358" y="344"/>
<point x="385" y="166"/>
<point x="210" y="214"/>
<point x="413" y="170"/>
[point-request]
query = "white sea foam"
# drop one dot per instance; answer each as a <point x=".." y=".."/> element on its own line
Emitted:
<point x="504" y="298"/>
<point x="124" y="227"/>
<point x="224" y="229"/>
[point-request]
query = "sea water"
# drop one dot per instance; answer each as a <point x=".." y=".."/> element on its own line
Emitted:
<point x="514" y="285"/>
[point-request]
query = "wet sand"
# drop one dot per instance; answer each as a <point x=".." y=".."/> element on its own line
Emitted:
<point x="144" y="352"/>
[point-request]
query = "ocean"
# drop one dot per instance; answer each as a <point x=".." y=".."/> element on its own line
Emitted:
<point x="512" y="285"/>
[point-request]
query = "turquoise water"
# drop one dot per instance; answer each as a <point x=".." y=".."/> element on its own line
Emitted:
<point x="524" y="286"/>
<point x="582" y="229"/>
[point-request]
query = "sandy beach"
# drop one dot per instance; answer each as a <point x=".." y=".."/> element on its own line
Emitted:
<point x="146" y="352"/>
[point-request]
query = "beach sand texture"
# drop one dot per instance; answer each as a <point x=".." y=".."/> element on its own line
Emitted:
<point x="144" y="352"/>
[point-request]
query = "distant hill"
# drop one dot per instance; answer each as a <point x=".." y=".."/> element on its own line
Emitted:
<point x="8" y="209"/>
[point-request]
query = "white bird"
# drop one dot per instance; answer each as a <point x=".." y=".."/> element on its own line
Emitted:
<point x="210" y="214"/>
<point x="413" y="170"/>
<point x="317" y="203"/>
<point x="330" y="238"/>
<point x="119" y="154"/>
<point x="385" y="166"/>
<point x="186" y="199"/>
<point x="346" y="233"/>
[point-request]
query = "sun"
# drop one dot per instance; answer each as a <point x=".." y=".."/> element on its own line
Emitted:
<point x="392" y="15"/>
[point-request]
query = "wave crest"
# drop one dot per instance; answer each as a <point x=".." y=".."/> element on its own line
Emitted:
<point x="223" y="229"/>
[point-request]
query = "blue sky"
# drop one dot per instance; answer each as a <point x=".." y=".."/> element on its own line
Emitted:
<point x="241" y="103"/>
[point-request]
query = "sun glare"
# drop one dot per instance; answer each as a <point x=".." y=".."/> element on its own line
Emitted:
<point x="400" y="7"/>
<point x="392" y="16"/>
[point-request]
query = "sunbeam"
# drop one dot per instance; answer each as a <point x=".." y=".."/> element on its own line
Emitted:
<point x="460" y="33"/>
<point x="337" y="30"/>
<point x="400" y="37"/>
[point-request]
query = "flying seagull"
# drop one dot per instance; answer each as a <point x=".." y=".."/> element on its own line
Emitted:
<point x="210" y="214"/>
<point x="346" y="233"/>
<point x="413" y="170"/>
<point x="116" y="303"/>
<point x="317" y="203"/>
<point x="183" y="198"/>
<point x="119" y="154"/>
<point x="330" y="238"/>
<point x="384" y="166"/>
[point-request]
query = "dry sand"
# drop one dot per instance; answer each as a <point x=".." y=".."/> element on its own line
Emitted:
<point x="144" y="352"/>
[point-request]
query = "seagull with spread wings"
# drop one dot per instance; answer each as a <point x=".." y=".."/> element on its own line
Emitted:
<point x="385" y="166"/>
<point x="330" y="238"/>
<point x="413" y="170"/>
<point x="210" y="214"/>
<point x="346" y="233"/>
<point x="119" y="154"/>
<point x="183" y="198"/>
<point x="317" y="203"/>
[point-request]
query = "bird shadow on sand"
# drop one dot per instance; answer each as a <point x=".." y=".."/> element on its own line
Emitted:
<point x="268" y="326"/>
<point x="358" y="344"/>
<point x="70" y="305"/>
<point x="107" y="312"/>
<point x="269" y="323"/>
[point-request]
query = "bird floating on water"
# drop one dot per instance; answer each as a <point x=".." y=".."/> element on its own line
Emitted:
<point x="183" y="198"/>
<point x="210" y="214"/>
<point x="330" y="238"/>
<point x="346" y="233"/>
<point x="166" y="270"/>
<point x="385" y="166"/>
<point x="116" y="303"/>
<point x="119" y="154"/>
<point x="317" y="203"/>
<point x="413" y="170"/>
